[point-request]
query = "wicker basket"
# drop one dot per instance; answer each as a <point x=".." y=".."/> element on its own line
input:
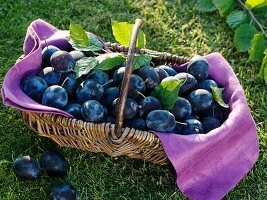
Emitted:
<point x="107" y="138"/>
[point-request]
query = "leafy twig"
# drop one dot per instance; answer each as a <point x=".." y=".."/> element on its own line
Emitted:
<point x="253" y="17"/>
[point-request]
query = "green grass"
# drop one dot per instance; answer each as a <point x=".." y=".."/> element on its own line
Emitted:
<point x="172" y="26"/>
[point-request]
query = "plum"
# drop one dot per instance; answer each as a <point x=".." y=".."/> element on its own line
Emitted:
<point x="150" y="76"/>
<point x="118" y="76"/>
<point x="209" y="123"/>
<point x="182" y="109"/>
<point x="63" y="192"/>
<point x="130" y="111"/>
<point x="93" y="111"/>
<point x="62" y="61"/>
<point x="136" y="86"/>
<point x="168" y="69"/>
<point x="189" y="82"/>
<point x="55" y="96"/>
<point x="213" y="111"/>
<point x="200" y="100"/>
<point x="206" y="84"/>
<point x="89" y="90"/>
<point x="47" y="53"/>
<point x="50" y="76"/>
<point x="110" y="95"/>
<point x="26" y="168"/>
<point x="162" y="73"/>
<point x="147" y="105"/>
<point x="160" y="120"/>
<point x="54" y="164"/>
<point x="100" y="77"/>
<point x="69" y="82"/>
<point x="198" y="66"/>
<point x="192" y="126"/>
<point x="34" y="87"/>
<point x="136" y="123"/>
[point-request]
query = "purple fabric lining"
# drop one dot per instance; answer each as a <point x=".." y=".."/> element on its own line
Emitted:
<point x="207" y="166"/>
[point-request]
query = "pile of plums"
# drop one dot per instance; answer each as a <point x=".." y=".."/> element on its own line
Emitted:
<point x="94" y="97"/>
<point x="54" y="164"/>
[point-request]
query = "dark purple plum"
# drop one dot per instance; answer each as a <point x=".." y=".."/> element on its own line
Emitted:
<point x="136" y="86"/>
<point x="93" y="111"/>
<point x="169" y="78"/>
<point x="162" y="73"/>
<point x="189" y="82"/>
<point x="150" y="76"/>
<point x="63" y="192"/>
<point x="148" y="104"/>
<point x="77" y="55"/>
<point x="206" y="84"/>
<point x="54" y="164"/>
<point x="100" y="77"/>
<point x="198" y="66"/>
<point x="34" y="87"/>
<point x="200" y="100"/>
<point x="160" y="120"/>
<point x="74" y="109"/>
<point x="193" y="127"/>
<point x="69" y="82"/>
<point x="176" y="129"/>
<point x="26" y="168"/>
<point x="209" y="123"/>
<point x="110" y="95"/>
<point x="130" y="111"/>
<point x="46" y="55"/>
<point x="62" y="61"/>
<point x="136" y="123"/>
<point x="89" y="90"/>
<point x="55" y="96"/>
<point x="118" y="76"/>
<point x="182" y="109"/>
<point x="50" y="76"/>
<point x="168" y="69"/>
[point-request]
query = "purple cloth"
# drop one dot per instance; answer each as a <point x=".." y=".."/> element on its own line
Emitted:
<point x="207" y="166"/>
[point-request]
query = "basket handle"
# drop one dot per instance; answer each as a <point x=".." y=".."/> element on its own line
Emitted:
<point x="126" y="78"/>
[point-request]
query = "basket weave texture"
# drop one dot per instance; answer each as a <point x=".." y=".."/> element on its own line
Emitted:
<point x="69" y="132"/>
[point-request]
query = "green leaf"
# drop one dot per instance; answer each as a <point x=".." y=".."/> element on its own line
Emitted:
<point x="78" y="37"/>
<point x="263" y="69"/>
<point x="256" y="53"/>
<point x="236" y="18"/>
<point x="95" y="44"/>
<point x="167" y="93"/>
<point x="109" y="60"/>
<point x="205" y="6"/>
<point x="122" y="32"/>
<point x="256" y="3"/>
<point x="141" y="60"/>
<point x="84" y="66"/>
<point x="243" y="36"/>
<point x="224" y="6"/>
<point x="217" y="96"/>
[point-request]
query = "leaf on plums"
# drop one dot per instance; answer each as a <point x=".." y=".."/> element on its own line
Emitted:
<point x="122" y="32"/>
<point x="256" y="3"/>
<point x="236" y="18"/>
<point x="141" y="60"/>
<point x="84" y="66"/>
<point x="243" y="36"/>
<point x="78" y="37"/>
<point x="217" y="96"/>
<point x="224" y="6"/>
<point x="95" y="44"/>
<point x="167" y="93"/>
<point x="109" y="60"/>
<point x="205" y="6"/>
<point x="256" y="53"/>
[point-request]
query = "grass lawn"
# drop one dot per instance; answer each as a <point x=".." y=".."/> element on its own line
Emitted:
<point x="171" y="26"/>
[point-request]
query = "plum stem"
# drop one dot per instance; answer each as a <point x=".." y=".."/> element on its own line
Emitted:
<point x="253" y="17"/>
<point x="182" y="123"/>
<point x="64" y="81"/>
<point x="110" y="81"/>
<point x="141" y="94"/>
